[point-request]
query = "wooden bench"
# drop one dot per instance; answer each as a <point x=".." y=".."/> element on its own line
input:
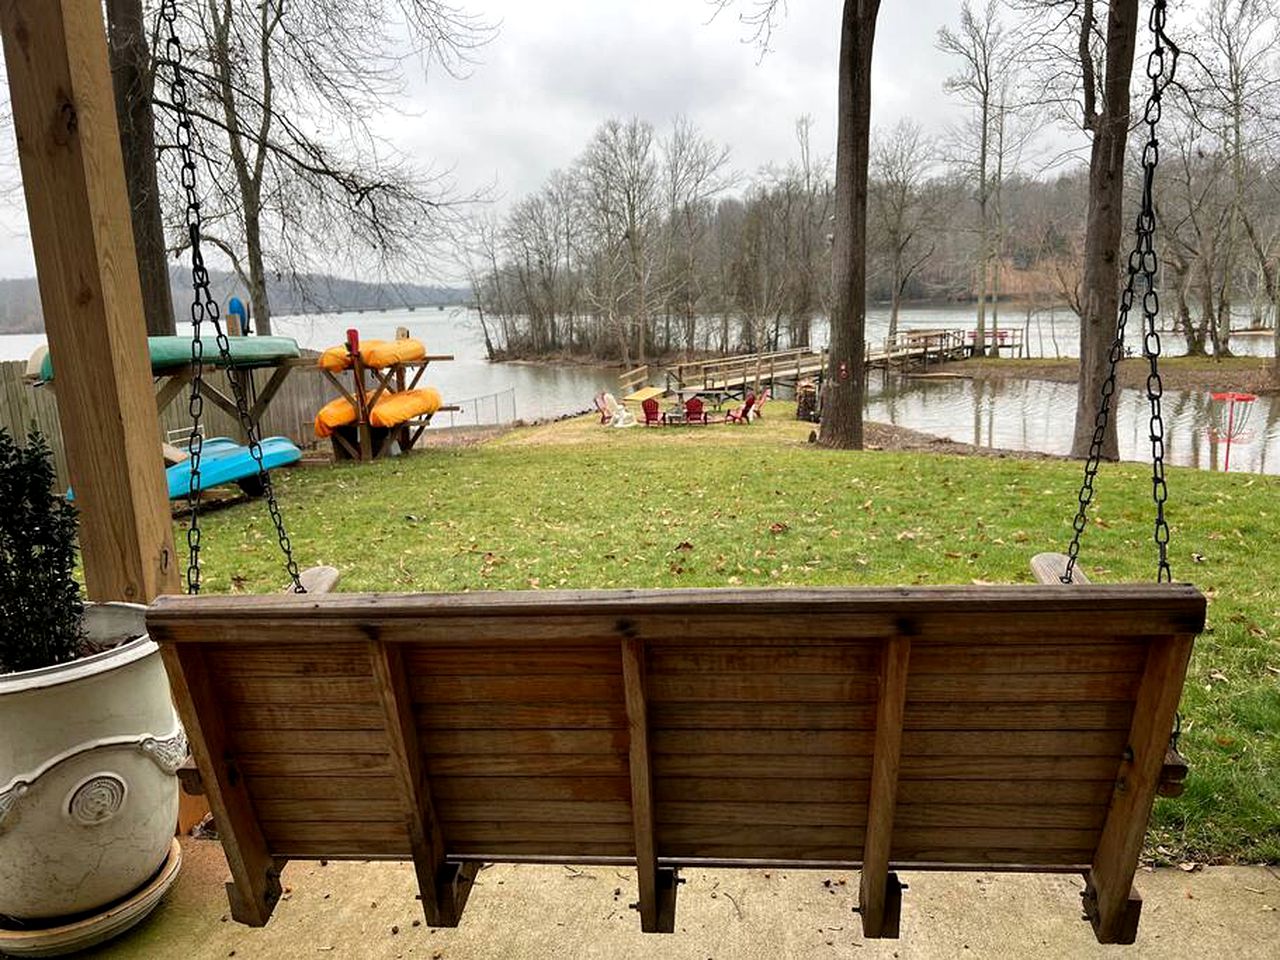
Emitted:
<point x="955" y="728"/>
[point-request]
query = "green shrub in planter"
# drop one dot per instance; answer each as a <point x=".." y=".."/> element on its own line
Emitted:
<point x="41" y="612"/>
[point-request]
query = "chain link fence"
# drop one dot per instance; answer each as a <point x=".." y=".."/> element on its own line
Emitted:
<point x="492" y="409"/>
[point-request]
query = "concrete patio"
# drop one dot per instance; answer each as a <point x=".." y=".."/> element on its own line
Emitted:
<point x="368" y="910"/>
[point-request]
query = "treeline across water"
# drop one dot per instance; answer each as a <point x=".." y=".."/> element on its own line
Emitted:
<point x="649" y="245"/>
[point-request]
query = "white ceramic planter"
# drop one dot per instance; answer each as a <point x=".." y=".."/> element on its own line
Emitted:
<point x="89" y="753"/>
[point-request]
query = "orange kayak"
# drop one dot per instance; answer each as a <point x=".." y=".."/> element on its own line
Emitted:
<point x="391" y="410"/>
<point x="377" y="354"/>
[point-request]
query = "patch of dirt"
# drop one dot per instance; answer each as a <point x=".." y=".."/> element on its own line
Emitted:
<point x="884" y="436"/>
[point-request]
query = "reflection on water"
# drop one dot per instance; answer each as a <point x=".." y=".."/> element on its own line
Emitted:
<point x="542" y="391"/>
<point x="1020" y="414"/>
<point x="1046" y="333"/>
<point x="1038" y="415"/>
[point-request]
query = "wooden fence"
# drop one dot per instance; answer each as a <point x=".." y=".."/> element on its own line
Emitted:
<point x="291" y="413"/>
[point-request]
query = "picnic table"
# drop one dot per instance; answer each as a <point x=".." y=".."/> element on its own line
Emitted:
<point x="643" y="394"/>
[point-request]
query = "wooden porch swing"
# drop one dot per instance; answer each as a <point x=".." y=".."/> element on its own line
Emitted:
<point x="953" y="728"/>
<point x="956" y="728"/>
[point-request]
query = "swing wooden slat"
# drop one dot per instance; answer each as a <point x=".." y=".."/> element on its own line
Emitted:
<point x="976" y="727"/>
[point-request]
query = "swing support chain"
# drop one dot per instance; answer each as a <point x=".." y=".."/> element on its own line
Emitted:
<point x="205" y="307"/>
<point x="1162" y="66"/>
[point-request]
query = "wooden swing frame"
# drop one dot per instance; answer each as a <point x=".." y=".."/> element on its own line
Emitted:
<point x="664" y="664"/>
<point x="953" y="728"/>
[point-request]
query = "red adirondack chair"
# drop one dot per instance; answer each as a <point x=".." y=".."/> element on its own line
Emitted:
<point x="757" y="412"/>
<point x="743" y="413"/>
<point x="652" y="413"/>
<point x="693" y="411"/>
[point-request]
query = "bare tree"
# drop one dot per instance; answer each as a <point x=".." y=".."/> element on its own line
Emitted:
<point x="619" y="173"/>
<point x="1082" y="52"/>
<point x="1236" y="99"/>
<point x="845" y="388"/>
<point x="981" y="46"/>
<point x="900" y="208"/>
<point x="133" y="78"/>
<point x="284" y="94"/>
<point x="695" y="170"/>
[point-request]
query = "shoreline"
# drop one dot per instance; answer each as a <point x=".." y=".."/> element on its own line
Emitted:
<point x="1196" y="374"/>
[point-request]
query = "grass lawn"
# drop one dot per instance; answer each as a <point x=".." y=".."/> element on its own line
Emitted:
<point x="574" y="505"/>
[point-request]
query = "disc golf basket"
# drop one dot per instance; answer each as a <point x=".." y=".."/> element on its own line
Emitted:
<point x="1231" y="412"/>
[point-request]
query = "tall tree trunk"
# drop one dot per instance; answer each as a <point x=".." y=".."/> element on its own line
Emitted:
<point x="132" y="79"/>
<point x="846" y="373"/>
<point x="895" y="302"/>
<point x="984" y="225"/>
<point x="257" y="266"/>
<point x="1100" y="287"/>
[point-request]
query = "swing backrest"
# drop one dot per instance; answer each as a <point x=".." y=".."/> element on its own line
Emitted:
<point x="975" y="727"/>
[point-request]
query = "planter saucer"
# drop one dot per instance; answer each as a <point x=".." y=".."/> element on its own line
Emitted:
<point x="98" y="928"/>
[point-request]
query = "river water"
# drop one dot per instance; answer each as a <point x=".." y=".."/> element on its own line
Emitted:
<point x="1016" y="414"/>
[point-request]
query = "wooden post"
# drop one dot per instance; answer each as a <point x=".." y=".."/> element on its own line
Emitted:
<point x="363" y="428"/>
<point x="78" y="209"/>
<point x="1110" y="902"/>
<point x="657" y="886"/>
<point x="402" y="333"/>
<point x="880" y="892"/>
<point x="255" y="889"/>
<point x="443" y="887"/>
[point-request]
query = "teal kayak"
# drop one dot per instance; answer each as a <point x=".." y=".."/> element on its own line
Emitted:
<point x="171" y="353"/>
<point x="225" y="461"/>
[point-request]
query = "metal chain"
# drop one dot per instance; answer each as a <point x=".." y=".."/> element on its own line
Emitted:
<point x="1162" y="65"/>
<point x="205" y="307"/>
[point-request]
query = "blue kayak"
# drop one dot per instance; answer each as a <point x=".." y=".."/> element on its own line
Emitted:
<point x="222" y="460"/>
<point x="225" y="461"/>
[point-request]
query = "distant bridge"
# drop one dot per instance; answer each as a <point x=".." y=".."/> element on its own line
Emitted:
<point x="365" y="308"/>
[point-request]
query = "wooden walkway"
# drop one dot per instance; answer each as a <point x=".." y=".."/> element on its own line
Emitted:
<point x="735" y="375"/>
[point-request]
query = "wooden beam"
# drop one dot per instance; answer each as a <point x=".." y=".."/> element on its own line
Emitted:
<point x="1111" y="903"/>
<point x="220" y="400"/>
<point x="880" y="893"/>
<point x="342" y="389"/>
<point x="657" y="885"/>
<point x="402" y="333"/>
<point x="443" y="887"/>
<point x="78" y="209"/>
<point x="173" y="385"/>
<point x="269" y="390"/>
<point x="255" y="887"/>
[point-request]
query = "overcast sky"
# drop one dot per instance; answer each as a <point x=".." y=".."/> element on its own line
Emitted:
<point x="559" y="67"/>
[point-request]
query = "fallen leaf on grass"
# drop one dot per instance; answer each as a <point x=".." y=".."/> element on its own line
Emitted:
<point x="778" y="527"/>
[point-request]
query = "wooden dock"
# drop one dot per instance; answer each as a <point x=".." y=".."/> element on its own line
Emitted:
<point x="733" y="376"/>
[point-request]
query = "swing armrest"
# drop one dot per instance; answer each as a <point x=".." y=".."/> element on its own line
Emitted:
<point x="1048" y="568"/>
<point x="318" y="580"/>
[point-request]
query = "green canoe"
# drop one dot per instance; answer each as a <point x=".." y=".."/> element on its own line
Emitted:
<point x="170" y="353"/>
